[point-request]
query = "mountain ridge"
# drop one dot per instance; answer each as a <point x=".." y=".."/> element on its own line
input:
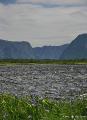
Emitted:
<point x="77" y="49"/>
<point x="24" y="50"/>
<point x="15" y="50"/>
<point x="49" y="52"/>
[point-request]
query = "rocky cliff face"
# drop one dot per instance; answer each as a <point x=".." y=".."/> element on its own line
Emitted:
<point x="15" y="50"/>
<point x="23" y="50"/>
<point x="77" y="49"/>
<point x="49" y="52"/>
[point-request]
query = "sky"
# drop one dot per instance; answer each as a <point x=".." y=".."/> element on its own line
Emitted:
<point x="42" y="22"/>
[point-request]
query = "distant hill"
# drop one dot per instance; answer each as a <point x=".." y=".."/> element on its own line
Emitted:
<point x="77" y="49"/>
<point x="15" y="50"/>
<point x="23" y="50"/>
<point x="49" y="52"/>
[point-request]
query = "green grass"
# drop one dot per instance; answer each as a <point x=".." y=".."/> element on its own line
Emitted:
<point x="28" y="108"/>
<point x="46" y="61"/>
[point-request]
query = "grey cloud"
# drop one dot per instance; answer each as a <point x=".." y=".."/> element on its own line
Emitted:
<point x="41" y="26"/>
<point x="54" y="2"/>
<point x="49" y="3"/>
<point x="53" y="5"/>
<point x="7" y="1"/>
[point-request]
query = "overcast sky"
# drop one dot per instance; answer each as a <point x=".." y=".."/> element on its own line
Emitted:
<point x="42" y="22"/>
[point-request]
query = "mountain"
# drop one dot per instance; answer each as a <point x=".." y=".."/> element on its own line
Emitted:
<point x="77" y="49"/>
<point x="15" y="50"/>
<point x="23" y="50"/>
<point x="49" y="52"/>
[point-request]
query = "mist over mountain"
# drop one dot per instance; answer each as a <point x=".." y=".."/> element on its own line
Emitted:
<point x="77" y="49"/>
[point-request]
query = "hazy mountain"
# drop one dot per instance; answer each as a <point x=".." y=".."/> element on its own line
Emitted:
<point x="49" y="52"/>
<point x="23" y="50"/>
<point x="77" y="49"/>
<point x="15" y="50"/>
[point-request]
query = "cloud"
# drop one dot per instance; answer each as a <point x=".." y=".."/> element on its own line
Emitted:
<point x="51" y="5"/>
<point x="7" y="1"/>
<point x="48" y="3"/>
<point x="40" y="25"/>
<point x="54" y="2"/>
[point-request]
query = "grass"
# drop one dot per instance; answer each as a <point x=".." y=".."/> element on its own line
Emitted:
<point x="28" y="108"/>
<point x="46" y="61"/>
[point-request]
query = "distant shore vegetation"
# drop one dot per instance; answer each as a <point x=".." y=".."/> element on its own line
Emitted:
<point x="42" y="61"/>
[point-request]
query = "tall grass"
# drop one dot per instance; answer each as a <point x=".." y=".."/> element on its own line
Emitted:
<point x="13" y="108"/>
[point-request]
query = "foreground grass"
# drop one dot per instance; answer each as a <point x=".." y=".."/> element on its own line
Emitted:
<point x="13" y="108"/>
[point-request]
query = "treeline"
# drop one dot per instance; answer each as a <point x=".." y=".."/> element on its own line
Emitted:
<point x="45" y="61"/>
